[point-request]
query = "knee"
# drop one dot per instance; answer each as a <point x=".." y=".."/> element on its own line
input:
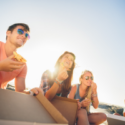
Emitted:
<point x="116" y="114"/>
<point x="82" y="113"/>
<point x="104" y="117"/>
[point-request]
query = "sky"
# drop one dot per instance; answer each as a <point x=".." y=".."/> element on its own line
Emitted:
<point x="93" y="30"/>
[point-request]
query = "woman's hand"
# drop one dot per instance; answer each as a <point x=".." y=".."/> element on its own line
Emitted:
<point x="94" y="88"/>
<point x="85" y="102"/>
<point x="94" y="96"/>
<point x="62" y="75"/>
<point x="79" y="104"/>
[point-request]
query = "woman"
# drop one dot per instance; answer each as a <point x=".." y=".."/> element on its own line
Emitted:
<point x="59" y="82"/>
<point x="86" y="92"/>
<point x="45" y="80"/>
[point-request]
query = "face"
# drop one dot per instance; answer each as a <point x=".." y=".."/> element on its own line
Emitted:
<point x="67" y="61"/>
<point x="17" y="37"/>
<point x="87" y="79"/>
<point x="45" y="77"/>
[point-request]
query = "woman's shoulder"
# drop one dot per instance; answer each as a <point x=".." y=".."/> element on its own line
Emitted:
<point x="74" y="87"/>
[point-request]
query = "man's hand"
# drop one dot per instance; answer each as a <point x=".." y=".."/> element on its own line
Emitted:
<point x="85" y="102"/>
<point x="9" y="64"/>
<point x="36" y="90"/>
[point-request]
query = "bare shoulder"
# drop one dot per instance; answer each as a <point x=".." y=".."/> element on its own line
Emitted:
<point x="72" y="92"/>
<point x="74" y="87"/>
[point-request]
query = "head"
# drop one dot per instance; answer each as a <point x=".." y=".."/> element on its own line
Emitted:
<point x="86" y="78"/>
<point x="18" y="33"/>
<point x="67" y="59"/>
<point x="46" y="75"/>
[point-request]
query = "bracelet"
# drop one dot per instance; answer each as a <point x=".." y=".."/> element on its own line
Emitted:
<point x="58" y="81"/>
<point x="94" y="95"/>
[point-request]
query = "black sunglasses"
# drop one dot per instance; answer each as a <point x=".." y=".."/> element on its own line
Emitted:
<point x="87" y="77"/>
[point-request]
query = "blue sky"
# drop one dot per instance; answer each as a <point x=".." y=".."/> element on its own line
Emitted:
<point x="93" y="30"/>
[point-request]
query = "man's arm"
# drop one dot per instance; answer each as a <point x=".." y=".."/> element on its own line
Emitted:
<point x="20" y="86"/>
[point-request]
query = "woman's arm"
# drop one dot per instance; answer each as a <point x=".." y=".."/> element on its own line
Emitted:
<point x="72" y="95"/>
<point x="95" y="101"/>
<point x="52" y="91"/>
<point x="72" y="92"/>
<point x="62" y="75"/>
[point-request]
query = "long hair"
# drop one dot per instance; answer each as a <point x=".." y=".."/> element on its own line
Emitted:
<point x="89" y="89"/>
<point x="67" y="82"/>
<point x="48" y="75"/>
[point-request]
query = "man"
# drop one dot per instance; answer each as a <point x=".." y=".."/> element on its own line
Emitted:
<point x="16" y="36"/>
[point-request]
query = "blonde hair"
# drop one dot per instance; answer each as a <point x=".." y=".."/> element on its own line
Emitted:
<point x="89" y="89"/>
<point x="83" y="73"/>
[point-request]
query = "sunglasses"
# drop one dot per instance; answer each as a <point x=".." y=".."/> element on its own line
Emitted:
<point x="20" y="31"/>
<point x="87" y="78"/>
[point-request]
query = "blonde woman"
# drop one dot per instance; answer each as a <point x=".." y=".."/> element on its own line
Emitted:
<point x="86" y="92"/>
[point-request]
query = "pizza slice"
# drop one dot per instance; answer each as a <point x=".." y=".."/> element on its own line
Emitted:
<point x="19" y="57"/>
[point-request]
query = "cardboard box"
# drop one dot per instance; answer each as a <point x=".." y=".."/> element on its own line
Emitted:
<point x="67" y="107"/>
<point x="115" y="119"/>
<point x="26" y="109"/>
<point x="8" y="122"/>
